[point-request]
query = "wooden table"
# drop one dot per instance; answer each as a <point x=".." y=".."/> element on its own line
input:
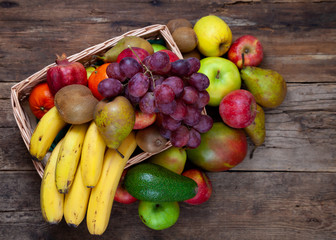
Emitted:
<point x="286" y="191"/>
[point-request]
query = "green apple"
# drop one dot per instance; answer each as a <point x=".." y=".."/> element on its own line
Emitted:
<point x="223" y="75"/>
<point x="214" y="36"/>
<point x="158" y="47"/>
<point x="159" y="216"/>
<point x="172" y="158"/>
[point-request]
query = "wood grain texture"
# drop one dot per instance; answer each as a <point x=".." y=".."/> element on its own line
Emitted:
<point x="302" y="24"/>
<point x="287" y="190"/>
<point x="243" y="206"/>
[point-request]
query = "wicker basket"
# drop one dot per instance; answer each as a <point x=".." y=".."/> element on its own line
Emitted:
<point x="20" y="91"/>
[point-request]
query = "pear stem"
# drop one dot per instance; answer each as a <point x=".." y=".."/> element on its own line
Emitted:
<point x="252" y="152"/>
<point x="120" y="154"/>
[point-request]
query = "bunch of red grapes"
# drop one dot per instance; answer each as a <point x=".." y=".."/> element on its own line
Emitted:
<point x="175" y="91"/>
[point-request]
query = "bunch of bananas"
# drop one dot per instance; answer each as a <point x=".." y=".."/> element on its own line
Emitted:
<point x="81" y="175"/>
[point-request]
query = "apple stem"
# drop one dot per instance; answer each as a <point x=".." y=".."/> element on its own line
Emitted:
<point x="217" y="76"/>
<point x="243" y="60"/>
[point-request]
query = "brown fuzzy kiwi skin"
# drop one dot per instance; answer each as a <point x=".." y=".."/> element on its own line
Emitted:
<point x="185" y="39"/>
<point x="75" y="103"/>
<point x="178" y="22"/>
<point x="150" y="140"/>
<point x="194" y="53"/>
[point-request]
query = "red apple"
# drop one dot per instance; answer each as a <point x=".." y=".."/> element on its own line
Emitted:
<point x="172" y="56"/>
<point x="143" y="120"/>
<point x="238" y="109"/>
<point x="221" y="148"/>
<point x="122" y="195"/>
<point x="252" y="49"/>
<point x="204" y="186"/>
<point x="127" y="52"/>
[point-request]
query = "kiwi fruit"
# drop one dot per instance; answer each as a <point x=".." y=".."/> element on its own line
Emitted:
<point x="178" y="22"/>
<point x="194" y="53"/>
<point x="75" y="103"/>
<point x="185" y="39"/>
<point x="150" y="140"/>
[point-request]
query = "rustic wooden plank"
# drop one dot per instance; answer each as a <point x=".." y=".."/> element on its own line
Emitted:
<point x="5" y="88"/>
<point x="6" y="111"/>
<point x="13" y="153"/>
<point x="287" y="32"/>
<point x="243" y="206"/>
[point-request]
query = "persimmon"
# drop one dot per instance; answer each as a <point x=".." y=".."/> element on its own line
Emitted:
<point x="41" y="99"/>
<point x="95" y="78"/>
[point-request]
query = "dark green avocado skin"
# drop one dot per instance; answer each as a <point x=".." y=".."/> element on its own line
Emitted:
<point x="152" y="182"/>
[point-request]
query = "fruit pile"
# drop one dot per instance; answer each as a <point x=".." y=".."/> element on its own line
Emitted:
<point x="140" y="95"/>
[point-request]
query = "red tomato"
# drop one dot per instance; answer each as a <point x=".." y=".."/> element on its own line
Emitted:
<point x="41" y="100"/>
<point x="95" y="78"/>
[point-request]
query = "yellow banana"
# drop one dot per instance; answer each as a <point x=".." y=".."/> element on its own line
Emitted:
<point x="50" y="199"/>
<point x="92" y="156"/>
<point x="69" y="155"/>
<point x="45" y="133"/>
<point x="102" y="195"/>
<point x="76" y="200"/>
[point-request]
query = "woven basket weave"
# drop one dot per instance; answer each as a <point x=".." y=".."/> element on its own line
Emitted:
<point x="20" y="91"/>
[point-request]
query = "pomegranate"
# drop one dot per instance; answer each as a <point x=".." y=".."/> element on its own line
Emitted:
<point x="65" y="73"/>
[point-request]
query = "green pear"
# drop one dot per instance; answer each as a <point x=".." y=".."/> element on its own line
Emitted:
<point x="114" y="120"/>
<point x="172" y="158"/>
<point x="267" y="86"/>
<point x="133" y="41"/>
<point x="256" y="130"/>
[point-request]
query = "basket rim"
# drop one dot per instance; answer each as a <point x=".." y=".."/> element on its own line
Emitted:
<point x="39" y="76"/>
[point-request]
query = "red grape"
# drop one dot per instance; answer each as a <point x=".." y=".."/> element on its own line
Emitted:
<point x="164" y="94"/>
<point x="167" y="108"/>
<point x="192" y="116"/>
<point x="199" y="80"/>
<point x="113" y="71"/>
<point x="204" y="125"/>
<point x="110" y="87"/>
<point x="156" y="82"/>
<point x="175" y="83"/>
<point x="180" y="110"/>
<point x="180" y="137"/>
<point x="132" y="99"/>
<point x="203" y="99"/>
<point x="170" y="123"/>
<point x="129" y="66"/>
<point x="189" y="95"/>
<point x="147" y="103"/>
<point x="180" y="68"/>
<point x="165" y="133"/>
<point x="194" y="64"/>
<point x="138" y="85"/>
<point x="159" y="63"/>
<point x="194" y="139"/>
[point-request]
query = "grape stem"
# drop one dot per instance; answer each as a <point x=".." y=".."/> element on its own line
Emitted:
<point x="147" y="70"/>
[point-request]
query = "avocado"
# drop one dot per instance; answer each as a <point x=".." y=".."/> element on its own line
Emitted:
<point x="152" y="182"/>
